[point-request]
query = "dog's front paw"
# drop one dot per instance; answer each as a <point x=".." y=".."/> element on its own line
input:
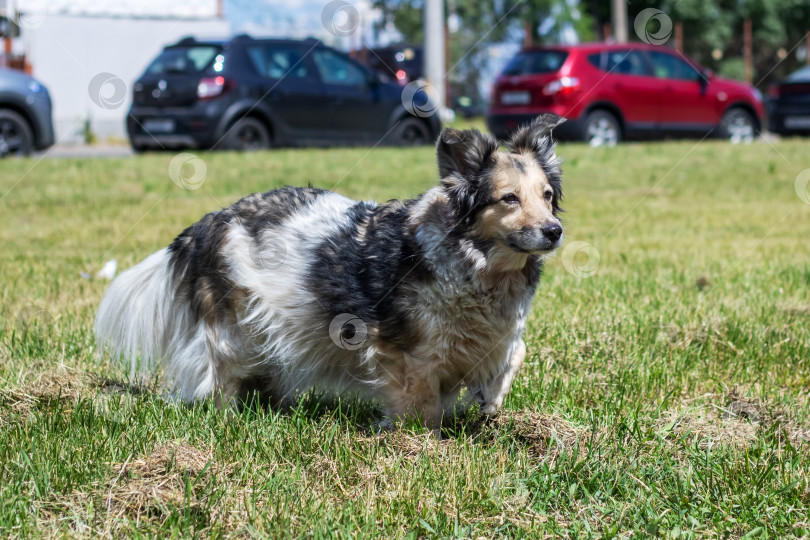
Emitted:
<point x="490" y="409"/>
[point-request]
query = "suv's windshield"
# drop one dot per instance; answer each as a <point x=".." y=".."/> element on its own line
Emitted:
<point x="534" y="62"/>
<point x="183" y="60"/>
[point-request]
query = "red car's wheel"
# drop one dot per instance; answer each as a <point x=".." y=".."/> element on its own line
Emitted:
<point x="738" y="125"/>
<point x="601" y="129"/>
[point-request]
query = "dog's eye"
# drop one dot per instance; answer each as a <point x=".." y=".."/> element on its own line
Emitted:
<point x="510" y="198"/>
<point x="548" y="195"/>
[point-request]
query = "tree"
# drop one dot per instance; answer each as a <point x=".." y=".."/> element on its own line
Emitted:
<point x="485" y="23"/>
<point x="716" y="26"/>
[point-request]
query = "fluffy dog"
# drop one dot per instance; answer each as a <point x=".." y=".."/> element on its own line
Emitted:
<point x="406" y="301"/>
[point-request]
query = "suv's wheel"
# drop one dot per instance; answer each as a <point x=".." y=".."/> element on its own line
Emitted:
<point x="247" y="134"/>
<point x="601" y="129"/>
<point x="138" y="148"/>
<point x="738" y="125"/>
<point x="16" y="138"/>
<point x="410" y="132"/>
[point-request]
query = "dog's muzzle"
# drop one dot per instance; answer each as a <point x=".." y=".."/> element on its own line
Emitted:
<point x="536" y="239"/>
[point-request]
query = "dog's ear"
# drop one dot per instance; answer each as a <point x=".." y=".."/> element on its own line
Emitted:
<point x="462" y="155"/>
<point x="535" y="136"/>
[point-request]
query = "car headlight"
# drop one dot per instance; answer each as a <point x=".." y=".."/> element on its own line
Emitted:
<point x="757" y="94"/>
<point x="35" y="87"/>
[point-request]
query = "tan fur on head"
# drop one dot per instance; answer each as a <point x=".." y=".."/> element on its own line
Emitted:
<point x="521" y="195"/>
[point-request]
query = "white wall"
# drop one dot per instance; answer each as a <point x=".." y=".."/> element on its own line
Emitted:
<point x="67" y="52"/>
<point x="127" y="8"/>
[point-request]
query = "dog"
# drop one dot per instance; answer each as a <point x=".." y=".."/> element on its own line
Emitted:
<point x="407" y="302"/>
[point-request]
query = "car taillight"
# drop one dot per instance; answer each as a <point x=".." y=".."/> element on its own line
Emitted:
<point x="211" y="87"/>
<point x="773" y="91"/>
<point x="563" y="86"/>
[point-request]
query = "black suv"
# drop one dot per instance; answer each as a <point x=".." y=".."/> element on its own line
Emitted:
<point x="247" y="94"/>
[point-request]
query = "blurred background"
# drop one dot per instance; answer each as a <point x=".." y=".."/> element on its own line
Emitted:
<point x="92" y="58"/>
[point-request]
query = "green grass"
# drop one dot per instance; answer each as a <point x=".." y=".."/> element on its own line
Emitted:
<point x="620" y="423"/>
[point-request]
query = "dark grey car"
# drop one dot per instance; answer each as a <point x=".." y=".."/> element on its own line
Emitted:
<point x="25" y="114"/>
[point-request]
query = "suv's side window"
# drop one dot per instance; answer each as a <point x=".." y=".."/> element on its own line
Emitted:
<point x="334" y="69"/>
<point x="277" y="61"/>
<point x="669" y="66"/>
<point x="626" y="62"/>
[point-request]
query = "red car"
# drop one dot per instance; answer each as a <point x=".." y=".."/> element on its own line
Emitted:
<point x="611" y="92"/>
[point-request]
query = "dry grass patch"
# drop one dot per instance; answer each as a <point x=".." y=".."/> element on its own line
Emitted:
<point x="545" y="435"/>
<point x="66" y="385"/>
<point x="172" y="478"/>
<point x="739" y="421"/>
<point x="62" y="384"/>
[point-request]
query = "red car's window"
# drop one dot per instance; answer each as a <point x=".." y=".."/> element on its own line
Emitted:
<point x="669" y="66"/>
<point x="626" y="62"/>
<point x="534" y="62"/>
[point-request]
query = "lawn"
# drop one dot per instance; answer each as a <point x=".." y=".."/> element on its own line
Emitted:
<point x="666" y="390"/>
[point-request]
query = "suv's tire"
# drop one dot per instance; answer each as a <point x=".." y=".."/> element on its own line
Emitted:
<point x="247" y="134"/>
<point x="16" y="137"/>
<point x="138" y="148"/>
<point x="738" y="125"/>
<point x="601" y="128"/>
<point x="410" y="132"/>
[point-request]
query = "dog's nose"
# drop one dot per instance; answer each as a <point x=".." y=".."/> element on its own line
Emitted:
<point x="553" y="232"/>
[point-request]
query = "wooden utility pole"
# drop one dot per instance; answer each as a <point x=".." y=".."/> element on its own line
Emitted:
<point x="747" y="51"/>
<point x="679" y="36"/>
<point x="619" y="16"/>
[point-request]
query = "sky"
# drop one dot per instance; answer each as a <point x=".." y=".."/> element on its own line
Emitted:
<point x="306" y="18"/>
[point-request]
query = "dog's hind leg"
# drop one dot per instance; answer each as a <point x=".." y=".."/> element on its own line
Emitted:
<point x="491" y="394"/>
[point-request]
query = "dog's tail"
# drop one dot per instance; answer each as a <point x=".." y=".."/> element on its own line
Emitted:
<point x="137" y="313"/>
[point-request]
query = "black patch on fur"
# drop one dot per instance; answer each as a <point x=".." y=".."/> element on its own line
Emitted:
<point x="517" y="164"/>
<point x="465" y="161"/>
<point x="533" y="270"/>
<point x="536" y="138"/>
<point x="366" y="267"/>
<point x="196" y="254"/>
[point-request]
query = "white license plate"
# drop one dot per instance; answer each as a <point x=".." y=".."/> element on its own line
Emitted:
<point x="159" y="126"/>
<point x="797" y="122"/>
<point x="515" y="98"/>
